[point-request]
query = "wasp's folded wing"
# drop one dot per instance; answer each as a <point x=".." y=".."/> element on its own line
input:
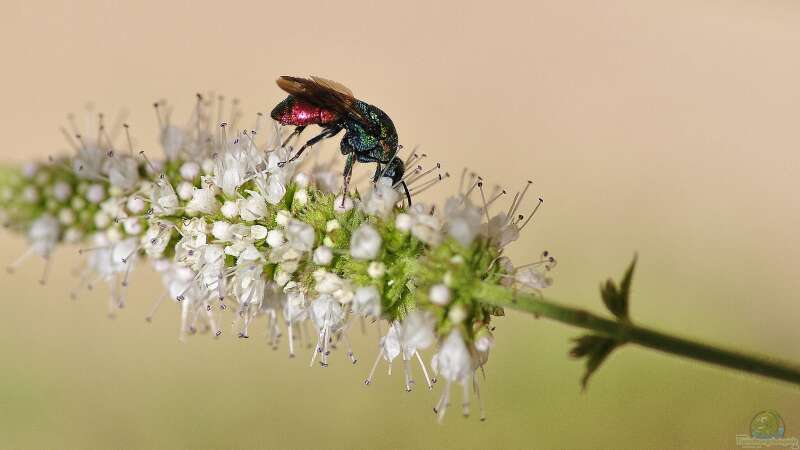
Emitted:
<point x="326" y="94"/>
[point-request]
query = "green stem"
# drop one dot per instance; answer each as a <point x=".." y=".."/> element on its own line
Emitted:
<point x="626" y="332"/>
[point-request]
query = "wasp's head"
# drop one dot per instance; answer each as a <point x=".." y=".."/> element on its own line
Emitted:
<point x="395" y="170"/>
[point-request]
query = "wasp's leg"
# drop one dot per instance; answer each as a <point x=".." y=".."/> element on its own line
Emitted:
<point x="296" y="132"/>
<point x="378" y="172"/>
<point x="329" y="132"/>
<point x="348" y="172"/>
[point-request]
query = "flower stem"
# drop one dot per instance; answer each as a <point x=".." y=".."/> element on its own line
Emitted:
<point x="626" y="332"/>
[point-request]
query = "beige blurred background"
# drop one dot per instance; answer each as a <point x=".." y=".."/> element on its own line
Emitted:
<point x="667" y="128"/>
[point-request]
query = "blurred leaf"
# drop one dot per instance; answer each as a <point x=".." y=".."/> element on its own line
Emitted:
<point x="616" y="298"/>
<point x="596" y="349"/>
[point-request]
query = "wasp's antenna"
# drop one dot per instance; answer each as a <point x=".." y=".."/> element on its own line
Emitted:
<point x="532" y="213"/>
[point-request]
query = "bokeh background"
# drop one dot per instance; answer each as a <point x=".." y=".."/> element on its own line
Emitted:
<point x="667" y="128"/>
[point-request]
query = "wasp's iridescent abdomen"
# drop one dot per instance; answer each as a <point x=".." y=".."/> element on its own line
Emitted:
<point x="293" y="111"/>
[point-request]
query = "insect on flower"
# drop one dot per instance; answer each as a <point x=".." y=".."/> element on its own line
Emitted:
<point x="369" y="136"/>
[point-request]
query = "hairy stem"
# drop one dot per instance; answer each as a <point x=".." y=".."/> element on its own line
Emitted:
<point x="626" y="332"/>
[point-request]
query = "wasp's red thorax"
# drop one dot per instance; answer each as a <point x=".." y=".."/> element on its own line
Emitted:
<point x="293" y="111"/>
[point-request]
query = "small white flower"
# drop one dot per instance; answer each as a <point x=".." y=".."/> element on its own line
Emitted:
<point x="376" y="269"/>
<point x="30" y="194"/>
<point x="203" y="201"/>
<point x="95" y="193"/>
<point x="208" y="166"/>
<point x="253" y="207"/>
<point x="367" y="301"/>
<point x="331" y="284"/>
<point x="300" y="197"/>
<point x="43" y="234"/>
<point x="302" y="180"/>
<point x="418" y="331"/>
<point x="281" y="277"/>
<point x="230" y="209"/>
<point x="66" y="216"/>
<point x="326" y="312"/>
<point x="300" y="235"/>
<point x="250" y="253"/>
<point x="89" y="162"/>
<point x="73" y="235"/>
<point x="185" y="190"/>
<point x="331" y="225"/>
<point x="135" y="205"/>
<point x="101" y="220"/>
<point x="323" y="255"/>
<point x="123" y="172"/>
<point x="340" y="206"/>
<point x="365" y="243"/>
<point x="426" y="227"/>
<point x="457" y="314"/>
<point x="78" y="203"/>
<point x="453" y="361"/>
<point x="439" y="294"/>
<point x="283" y="217"/>
<point x="114" y="234"/>
<point x="531" y="278"/>
<point x="463" y="220"/>
<point x="275" y="238"/>
<point x="380" y="201"/>
<point x="163" y="199"/>
<point x="501" y="230"/>
<point x="484" y="340"/>
<point x="403" y="222"/>
<point x="221" y="230"/>
<point x="275" y="190"/>
<point x="132" y="226"/>
<point x="295" y="309"/>
<point x="190" y="170"/>
<point x="156" y="238"/>
<point x="61" y="191"/>
<point x="258" y="232"/>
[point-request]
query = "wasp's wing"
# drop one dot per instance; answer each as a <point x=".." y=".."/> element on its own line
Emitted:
<point x="326" y="94"/>
<point x="336" y="86"/>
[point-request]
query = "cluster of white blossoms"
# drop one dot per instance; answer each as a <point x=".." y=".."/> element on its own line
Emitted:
<point x="230" y="230"/>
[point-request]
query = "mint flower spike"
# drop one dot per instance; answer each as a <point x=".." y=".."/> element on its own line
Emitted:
<point x="232" y="232"/>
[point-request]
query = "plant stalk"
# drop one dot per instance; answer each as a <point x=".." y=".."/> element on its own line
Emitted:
<point x="626" y="332"/>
